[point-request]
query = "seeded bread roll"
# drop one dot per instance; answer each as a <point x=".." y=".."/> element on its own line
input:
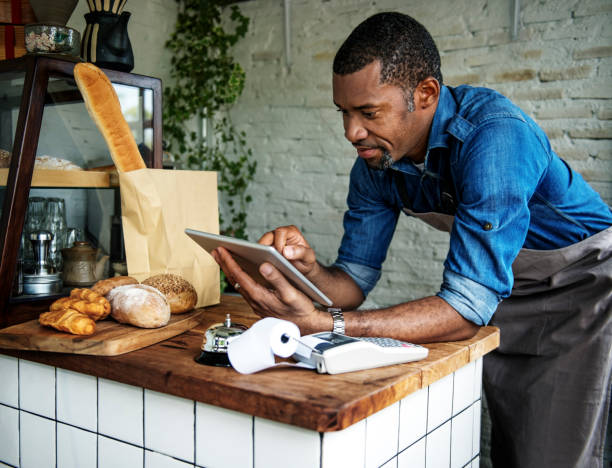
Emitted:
<point x="179" y="292"/>
<point x="103" y="106"/>
<point x="139" y="305"/>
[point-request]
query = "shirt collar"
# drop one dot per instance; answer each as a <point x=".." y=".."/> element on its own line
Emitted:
<point x="445" y="112"/>
<point x="438" y="135"/>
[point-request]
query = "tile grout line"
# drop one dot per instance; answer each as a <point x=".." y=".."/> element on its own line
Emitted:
<point x="450" y="447"/>
<point x="365" y="444"/>
<point x="253" y="440"/>
<point x="55" y="383"/>
<point x="427" y="423"/>
<point x="143" y="427"/>
<point x="98" y="423"/>
<point x="320" y="450"/>
<point x="19" y="410"/>
<point x="399" y="427"/>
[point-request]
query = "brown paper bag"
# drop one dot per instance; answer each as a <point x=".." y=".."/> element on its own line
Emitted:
<point x="156" y="207"/>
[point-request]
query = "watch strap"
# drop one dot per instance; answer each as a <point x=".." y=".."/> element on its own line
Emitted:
<point x="338" y="318"/>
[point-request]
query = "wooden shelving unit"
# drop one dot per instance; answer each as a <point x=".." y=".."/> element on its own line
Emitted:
<point x="35" y="82"/>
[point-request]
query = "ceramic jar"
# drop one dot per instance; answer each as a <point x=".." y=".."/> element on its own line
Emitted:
<point x="79" y="264"/>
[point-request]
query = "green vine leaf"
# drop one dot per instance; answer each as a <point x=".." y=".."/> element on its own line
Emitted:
<point x="206" y="81"/>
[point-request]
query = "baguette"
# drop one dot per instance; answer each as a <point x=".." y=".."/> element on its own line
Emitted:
<point x="68" y="320"/>
<point x="103" y="106"/>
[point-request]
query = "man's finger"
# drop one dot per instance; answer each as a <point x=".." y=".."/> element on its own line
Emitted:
<point x="267" y="238"/>
<point x="280" y="238"/>
<point x="299" y="253"/>
<point x="278" y="281"/>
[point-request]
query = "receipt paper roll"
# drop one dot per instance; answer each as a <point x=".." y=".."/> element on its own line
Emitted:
<point x="254" y="349"/>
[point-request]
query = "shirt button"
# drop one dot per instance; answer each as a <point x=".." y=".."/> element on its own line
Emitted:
<point x="487" y="226"/>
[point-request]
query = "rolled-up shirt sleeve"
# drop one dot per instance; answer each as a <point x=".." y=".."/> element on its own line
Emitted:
<point x="495" y="178"/>
<point x="365" y="276"/>
<point x="472" y="300"/>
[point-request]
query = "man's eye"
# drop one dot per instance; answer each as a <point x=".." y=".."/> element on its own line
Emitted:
<point x="369" y="115"/>
<point x="341" y="110"/>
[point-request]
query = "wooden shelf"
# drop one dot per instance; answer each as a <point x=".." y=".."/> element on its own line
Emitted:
<point x="54" y="178"/>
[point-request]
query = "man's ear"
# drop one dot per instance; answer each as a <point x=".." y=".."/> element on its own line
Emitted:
<point x="427" y="93"/>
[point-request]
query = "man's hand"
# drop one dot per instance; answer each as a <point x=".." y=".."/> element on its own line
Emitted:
<point x="290" y="242"/>
<point x="283" y="301"/>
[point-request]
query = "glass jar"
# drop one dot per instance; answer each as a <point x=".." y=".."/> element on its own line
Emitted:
<point x="52" y="39"/>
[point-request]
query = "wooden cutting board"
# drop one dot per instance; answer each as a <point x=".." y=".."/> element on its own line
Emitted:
<point x="110" y="339"/>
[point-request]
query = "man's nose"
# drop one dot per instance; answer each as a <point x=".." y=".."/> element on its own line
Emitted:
<point x="354" y="131"/>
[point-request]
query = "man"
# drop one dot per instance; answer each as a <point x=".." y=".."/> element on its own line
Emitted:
<point x="530" y="243"/>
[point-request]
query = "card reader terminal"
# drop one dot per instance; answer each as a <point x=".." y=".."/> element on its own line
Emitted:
<point x="333" y="353"/>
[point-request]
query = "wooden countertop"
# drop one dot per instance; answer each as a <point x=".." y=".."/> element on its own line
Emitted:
<point x="294" y="396"/>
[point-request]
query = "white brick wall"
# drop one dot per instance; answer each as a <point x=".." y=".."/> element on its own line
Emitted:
<point x="558" y="69"/>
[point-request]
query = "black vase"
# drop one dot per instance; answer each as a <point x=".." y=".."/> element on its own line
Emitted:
<point x="106" y="42"/>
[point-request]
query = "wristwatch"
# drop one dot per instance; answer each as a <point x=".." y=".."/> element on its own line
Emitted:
<point x="338" y="319"/>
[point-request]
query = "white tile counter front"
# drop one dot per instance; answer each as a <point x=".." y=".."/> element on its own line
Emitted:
<point x="157" y="408"/>
<point x="51" y="417"/>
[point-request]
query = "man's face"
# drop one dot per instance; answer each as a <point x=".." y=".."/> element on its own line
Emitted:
<point x="377" y="120"/>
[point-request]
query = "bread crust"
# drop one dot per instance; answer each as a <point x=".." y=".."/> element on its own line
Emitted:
<point x="179" y="292"/>
<point x="103" y="287"/>
<point x="139" y="305"/>
<point x="104" y="108"/>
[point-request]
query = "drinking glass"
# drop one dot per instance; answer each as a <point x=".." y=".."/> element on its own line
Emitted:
<point x="55" y="222"/>
<point x="35" y="215"/>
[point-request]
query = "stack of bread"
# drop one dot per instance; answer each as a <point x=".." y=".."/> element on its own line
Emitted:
<point x="146" y="305"/>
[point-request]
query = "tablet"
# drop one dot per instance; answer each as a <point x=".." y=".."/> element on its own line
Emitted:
<point x="249" y="255"/>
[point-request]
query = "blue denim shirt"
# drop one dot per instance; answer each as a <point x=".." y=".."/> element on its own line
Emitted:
<point x="501" y="180"/>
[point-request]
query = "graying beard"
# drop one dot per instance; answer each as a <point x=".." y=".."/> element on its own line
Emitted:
<point x="385" y="161"/>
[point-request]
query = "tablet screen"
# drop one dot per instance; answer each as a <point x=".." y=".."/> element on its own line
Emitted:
<point x="249" y="255"/>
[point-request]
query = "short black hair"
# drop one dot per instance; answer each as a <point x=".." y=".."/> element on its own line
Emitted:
<point x="405" y="49"/>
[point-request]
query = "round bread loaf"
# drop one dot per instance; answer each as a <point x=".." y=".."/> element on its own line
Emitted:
<point x="179" y="292"/>
<point x="139" y="305"/>
<point x="104" y="286"/>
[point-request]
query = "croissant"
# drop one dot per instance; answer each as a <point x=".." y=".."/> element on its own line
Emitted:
<point x="68" y="320"/>
<point x="85" y="301"/>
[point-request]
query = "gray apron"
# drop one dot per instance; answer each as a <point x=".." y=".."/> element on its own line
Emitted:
<point x="548" y="384"/>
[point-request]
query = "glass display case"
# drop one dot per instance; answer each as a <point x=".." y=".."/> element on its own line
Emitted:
<point x="56" y="175"/>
